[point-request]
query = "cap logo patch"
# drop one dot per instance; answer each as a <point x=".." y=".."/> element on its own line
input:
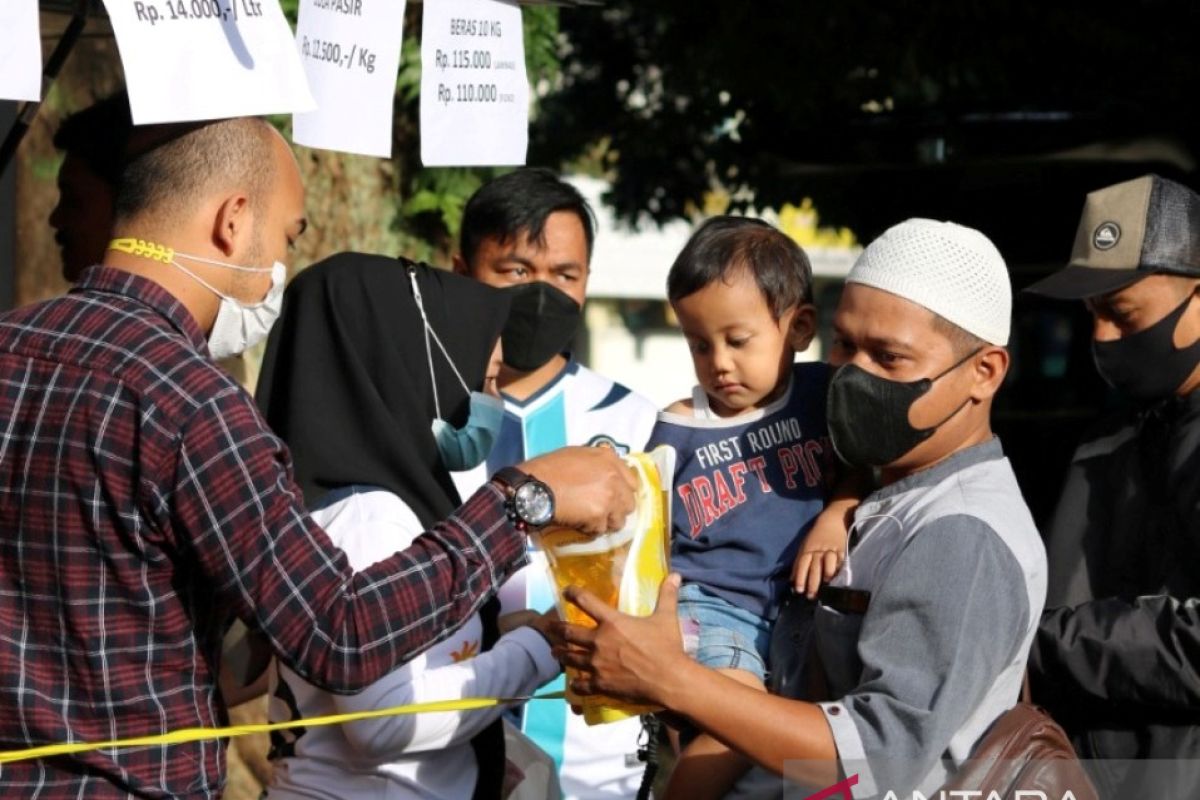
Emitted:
<point x="1106" y="236"/>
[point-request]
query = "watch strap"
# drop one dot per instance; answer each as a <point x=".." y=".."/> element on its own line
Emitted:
<point x="510" y="478"/>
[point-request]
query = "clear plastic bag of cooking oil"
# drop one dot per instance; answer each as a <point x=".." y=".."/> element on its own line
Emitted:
<point x="625" y="568"/>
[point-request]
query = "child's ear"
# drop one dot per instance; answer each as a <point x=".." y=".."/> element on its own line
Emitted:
<point x="803" y="327"/>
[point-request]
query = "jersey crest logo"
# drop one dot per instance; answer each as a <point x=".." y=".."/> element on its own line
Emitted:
<point x="604" y="440"/>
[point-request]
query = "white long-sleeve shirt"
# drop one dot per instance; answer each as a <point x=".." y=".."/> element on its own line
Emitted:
<point x="425" y="756"/>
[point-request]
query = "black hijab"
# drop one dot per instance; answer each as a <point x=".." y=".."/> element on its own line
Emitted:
<point x="345" y="382"/>
<point x="345" y="379"/>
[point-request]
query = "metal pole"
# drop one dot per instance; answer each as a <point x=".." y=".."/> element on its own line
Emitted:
<point x="8" y="220"/>
<point x="53" y="66"/>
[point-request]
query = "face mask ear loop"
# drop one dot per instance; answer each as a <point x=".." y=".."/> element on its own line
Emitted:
<point x="412" y="277"/>
<point x="429" y="331"/>
<point x="946" y="372"/>
<point x="438" y="342"/>
<point x="216" y="263"/>
<point x="854" y="529"/>
<point x="956" y="365"/>
<point x="200" y="280"/>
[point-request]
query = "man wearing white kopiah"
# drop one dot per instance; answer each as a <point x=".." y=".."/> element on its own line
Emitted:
<point x="924" y="646"/>
<point x="530" y="234"/>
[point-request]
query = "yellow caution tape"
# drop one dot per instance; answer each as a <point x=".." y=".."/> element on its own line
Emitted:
<point x="201" y="734"/>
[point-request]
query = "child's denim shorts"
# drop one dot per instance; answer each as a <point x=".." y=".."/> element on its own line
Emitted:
<point x="720" y="635"/>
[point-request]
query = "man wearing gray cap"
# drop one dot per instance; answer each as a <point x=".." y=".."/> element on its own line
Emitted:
<point x="1115" y="659"/>
<point x="923" y="635"/>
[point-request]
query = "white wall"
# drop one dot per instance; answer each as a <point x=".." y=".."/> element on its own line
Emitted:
<point x="657" y="364"/>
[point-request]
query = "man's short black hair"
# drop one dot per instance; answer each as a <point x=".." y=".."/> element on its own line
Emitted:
<point x="183" y="161"/>
<point x="99" y="136"/>
<point x="723" y="245"/>
<point x="962" y="342"/>
<point x="518" y="204"/>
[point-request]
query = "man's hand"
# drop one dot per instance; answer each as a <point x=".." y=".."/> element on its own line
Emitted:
<point x="593" y="488"/>
<point x="635" y="659"/>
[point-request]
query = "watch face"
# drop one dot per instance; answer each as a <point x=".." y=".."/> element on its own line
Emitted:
<point x="533" y="504"/>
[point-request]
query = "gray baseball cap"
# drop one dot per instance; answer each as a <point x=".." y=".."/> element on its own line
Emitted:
<point x="1142" y="227"/>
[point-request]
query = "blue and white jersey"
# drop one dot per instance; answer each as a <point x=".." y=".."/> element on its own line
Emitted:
<point x="747" y="489"/>
<point x="579" y="407"/>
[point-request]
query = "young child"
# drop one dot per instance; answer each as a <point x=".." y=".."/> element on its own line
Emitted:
<point x="754" y="462"/>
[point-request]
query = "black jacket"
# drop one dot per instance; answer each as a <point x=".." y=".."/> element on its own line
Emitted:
<point x="1117" y="656"/>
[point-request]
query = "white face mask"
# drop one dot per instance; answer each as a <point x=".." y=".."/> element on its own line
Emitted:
<point x="239" y="325"/>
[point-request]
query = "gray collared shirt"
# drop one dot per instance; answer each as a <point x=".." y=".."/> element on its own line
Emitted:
<point x="957" y="575"/>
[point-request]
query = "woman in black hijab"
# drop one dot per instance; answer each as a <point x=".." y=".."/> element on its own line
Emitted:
<point x="345" y="380"/>
<point x="347" y="383"/>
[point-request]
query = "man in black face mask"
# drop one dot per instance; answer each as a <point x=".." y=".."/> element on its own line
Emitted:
<point x="530" y="233"/>
<point x="923" y="635"/>
<point x="1115" y="658"/>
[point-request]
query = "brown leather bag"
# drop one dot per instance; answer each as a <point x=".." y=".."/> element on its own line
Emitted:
<point x="1025" y="749"/>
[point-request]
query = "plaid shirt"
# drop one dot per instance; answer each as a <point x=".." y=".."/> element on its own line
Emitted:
<point x="143" y="504"/>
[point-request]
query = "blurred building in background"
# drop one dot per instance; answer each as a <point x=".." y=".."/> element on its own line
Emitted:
<point x="632" y="336"/>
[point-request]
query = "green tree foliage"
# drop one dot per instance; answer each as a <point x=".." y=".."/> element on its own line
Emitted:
<point x="691" y="93"/>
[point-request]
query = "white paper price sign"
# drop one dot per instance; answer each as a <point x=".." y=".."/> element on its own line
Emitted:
<point x="474" y="91"/>
<point x="20" y="51"/>
<point x="207" y="59"/>
<point x="351" y="52"/>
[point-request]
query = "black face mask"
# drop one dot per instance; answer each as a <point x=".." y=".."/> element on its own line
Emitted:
<point x="1146" y="365"/>
<point x="868" y="415"/>
<point x="541" y="323"/>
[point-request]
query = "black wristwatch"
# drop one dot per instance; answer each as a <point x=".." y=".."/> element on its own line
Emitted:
<point x="528" y="501"/>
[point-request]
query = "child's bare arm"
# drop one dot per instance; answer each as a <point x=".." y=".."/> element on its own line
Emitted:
<point x="824" y="549"/>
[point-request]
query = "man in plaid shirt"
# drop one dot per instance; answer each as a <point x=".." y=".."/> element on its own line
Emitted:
<point x="144" y="504"/>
